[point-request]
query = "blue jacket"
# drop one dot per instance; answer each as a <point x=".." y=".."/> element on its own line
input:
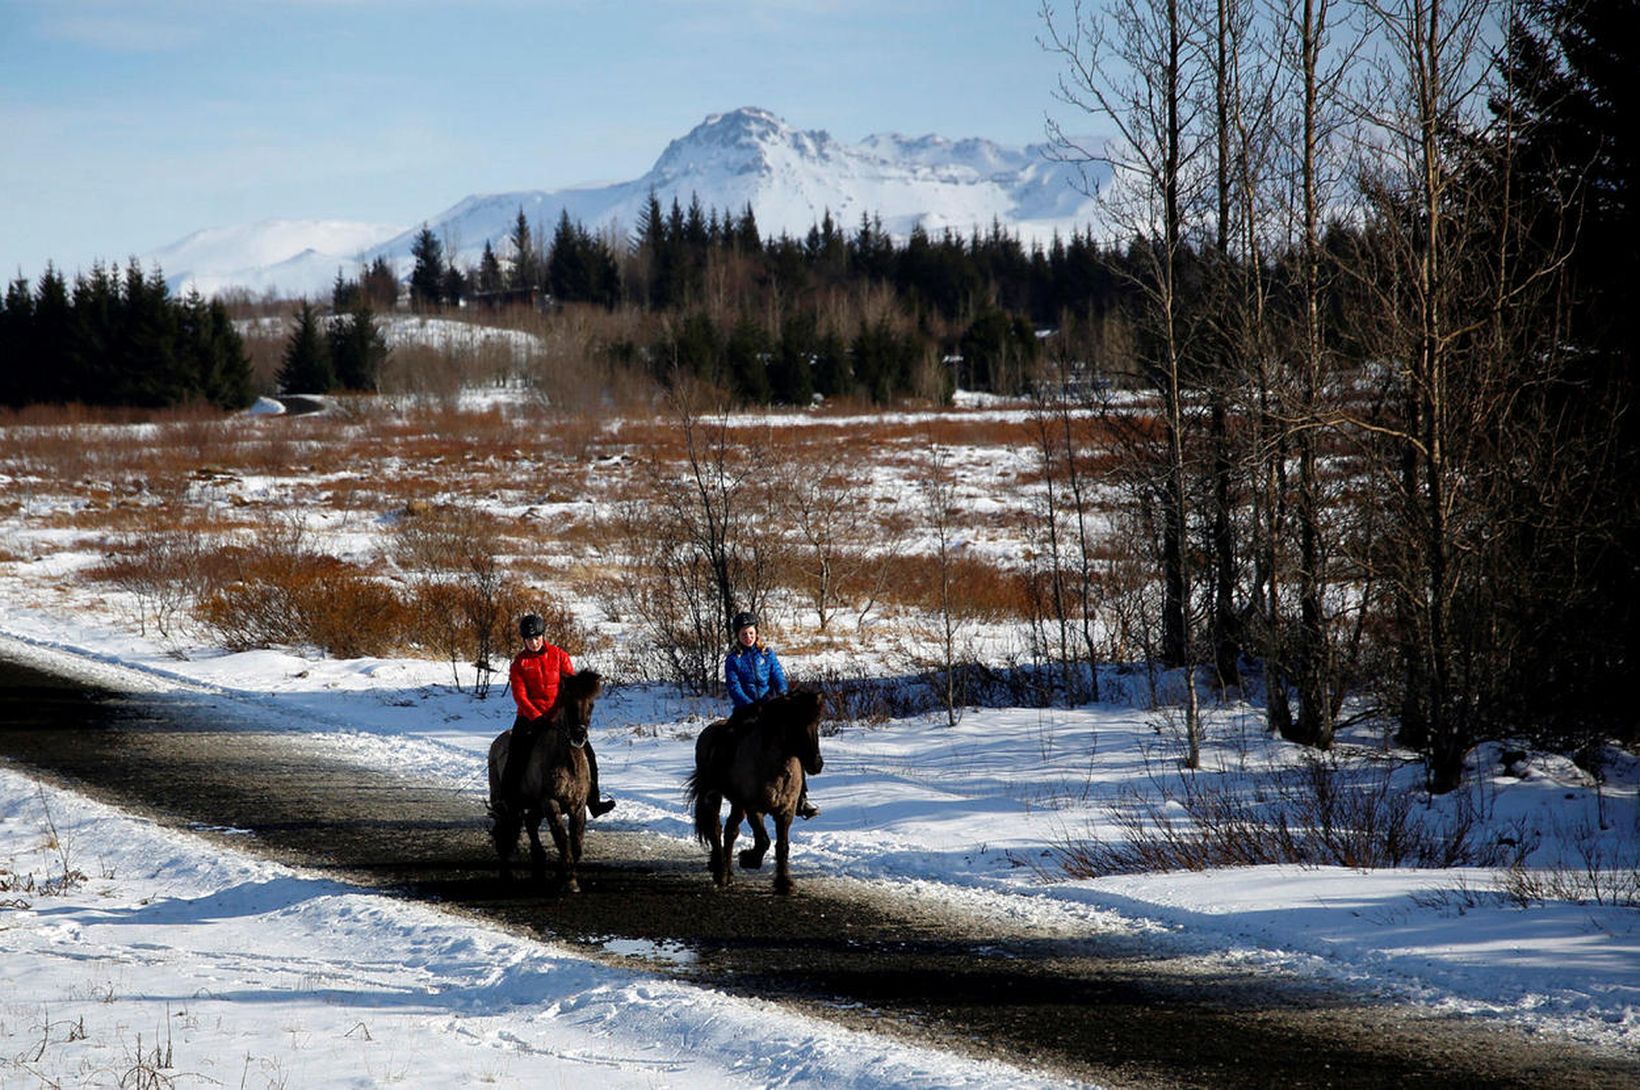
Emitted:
<point x="753" y="674"/>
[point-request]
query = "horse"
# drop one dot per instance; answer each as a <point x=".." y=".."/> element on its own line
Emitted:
<point x="556" y="781"/>
<point x="759" y="768"/>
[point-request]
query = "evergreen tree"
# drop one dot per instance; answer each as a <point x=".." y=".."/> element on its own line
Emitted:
<point x="94" y="317"/>
<point x="567" y="278"/>
<point x="747" y="239"/>
<point x="746" y="357"/>
<point x="357" y="349"/>
<point x="827" y="250"/>
<point x="18" y="374"/>
<point x="998" y="352"/>
<point x="651" y="231"/>
<point x="213" y="353"/>
<point x="306" y="368"/>
<point x="580" y="268"/>
<point x="871" y="251"/>
<point x="228" y="382"/>
<point x="53" y="347"/>
<point x="695" y="234"/>
<point x="833" y="367"/>
<point x="791" y="369"/>
<point x="660" y="242"/>
<point x="523" y="272"/>
<point x="380" y="285"/>
<point x="455" y="285"/>
<point x="674" y="222"/>
<point x="117" y="340"/>
<point x="427" y="279"/>
<point x="489" y="270"/>
<point x="344" y="293"/>
<point x="149" y="372"/>
<point x="603" y="272"/>
<point x="697" y="349"/>
<point x="882" y="360"/>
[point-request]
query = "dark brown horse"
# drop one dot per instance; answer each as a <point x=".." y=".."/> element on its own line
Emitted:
<point x="555" y="784"/>
<point x="759" y="768"/>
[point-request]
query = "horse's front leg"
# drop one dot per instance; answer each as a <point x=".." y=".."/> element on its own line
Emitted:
<point x="752" y="858"/>
<point x="577" y="832"/>
<point x="538" y="854"/>
<point x="561" y="840"/>
<point x="577" y="836"/>
<point x="782" y="851"/>
<point x="731" y="830"/>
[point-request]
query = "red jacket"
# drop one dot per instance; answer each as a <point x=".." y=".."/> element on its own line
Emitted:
<point x="534" y="676"/>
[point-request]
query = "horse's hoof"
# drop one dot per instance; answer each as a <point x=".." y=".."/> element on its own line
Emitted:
<point x="785" y="886"/>
<point x="572" y="886"/>
<point x="751" y="859"/>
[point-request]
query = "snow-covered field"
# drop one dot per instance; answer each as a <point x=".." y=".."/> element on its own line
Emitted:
<point x="252" y="974"/>
<point x="248" y="973"/>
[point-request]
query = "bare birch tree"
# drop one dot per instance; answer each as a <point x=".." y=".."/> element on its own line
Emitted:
<point x="1132" y="67"/>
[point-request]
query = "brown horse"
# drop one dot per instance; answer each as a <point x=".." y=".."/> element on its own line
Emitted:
<point x="555" y="784"/>
<point x="759" y="768"/>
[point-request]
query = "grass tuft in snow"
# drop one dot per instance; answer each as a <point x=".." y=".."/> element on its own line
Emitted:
<point x="1331" y="810"/>
<point x="1604" y="874"/>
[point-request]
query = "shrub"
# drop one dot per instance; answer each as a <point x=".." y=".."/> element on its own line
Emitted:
<point x="1607" y="873"/>
<point x="1327" y="813"/>
<point x="284" y="595"/>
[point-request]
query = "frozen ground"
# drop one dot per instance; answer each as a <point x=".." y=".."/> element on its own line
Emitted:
<point x="252" y="974"/>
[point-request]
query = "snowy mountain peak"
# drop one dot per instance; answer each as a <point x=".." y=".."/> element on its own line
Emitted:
<point x="790" y="178"/>
<point x="744" y="141"/>
<point x="981" y="156"/>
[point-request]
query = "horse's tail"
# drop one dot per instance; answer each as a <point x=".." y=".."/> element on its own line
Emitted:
<point x="499" y="750"/>
<point x="703" y="803"/>
<point x="700" y="794"/>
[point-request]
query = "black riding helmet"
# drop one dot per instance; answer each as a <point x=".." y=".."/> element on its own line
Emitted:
<point x="745" y="620"/>
<point x="531" y="625"/>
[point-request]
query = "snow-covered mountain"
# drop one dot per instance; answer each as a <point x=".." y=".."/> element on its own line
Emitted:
<point x="789" y="177"/>
<point x="294" y="256"/>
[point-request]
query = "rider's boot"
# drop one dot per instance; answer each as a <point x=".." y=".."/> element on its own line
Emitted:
<point x="805" y="808"/>
<point x="597" y="805"/>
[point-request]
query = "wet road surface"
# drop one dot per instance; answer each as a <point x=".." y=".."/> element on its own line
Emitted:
<point x="1092" y="1007"/>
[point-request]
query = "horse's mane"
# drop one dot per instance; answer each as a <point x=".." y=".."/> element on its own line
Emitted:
<point x="580" y="686"/>
<point x="798" y="708"/>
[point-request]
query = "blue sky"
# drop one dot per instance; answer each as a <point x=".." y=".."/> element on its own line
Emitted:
<point x="127" y="124"/>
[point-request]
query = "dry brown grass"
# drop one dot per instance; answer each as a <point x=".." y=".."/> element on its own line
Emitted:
<point x="287" y="597"/>
<point x="980" y="591"/>
<point x="189" y="472"/>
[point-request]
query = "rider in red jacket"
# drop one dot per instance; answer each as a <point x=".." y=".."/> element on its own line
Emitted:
<point x="534" y="677"/>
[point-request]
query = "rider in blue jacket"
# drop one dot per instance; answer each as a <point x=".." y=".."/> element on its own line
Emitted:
<point x="750" y="670"/>
<point x="753" y="674"/>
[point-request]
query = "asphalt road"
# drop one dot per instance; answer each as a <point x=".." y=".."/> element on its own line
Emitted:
<point x="1091" y="1007"/>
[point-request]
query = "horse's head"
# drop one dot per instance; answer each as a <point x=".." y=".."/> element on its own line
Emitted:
<point x="800" y="712"/>
<point x="576" y="695"/>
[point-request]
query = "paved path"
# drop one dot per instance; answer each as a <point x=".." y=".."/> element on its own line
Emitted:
<point x="1091" y="1007"/>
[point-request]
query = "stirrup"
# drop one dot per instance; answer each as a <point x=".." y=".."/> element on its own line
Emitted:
<point x="808" y="810"/>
